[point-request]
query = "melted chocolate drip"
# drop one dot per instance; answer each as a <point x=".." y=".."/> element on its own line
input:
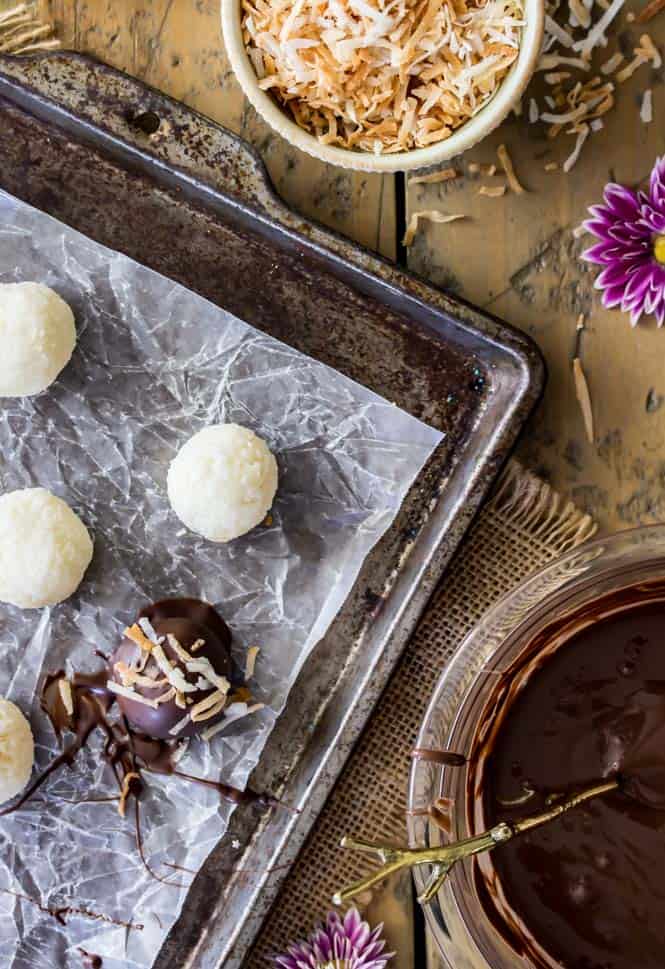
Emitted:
<point x="587" y="890"/>
<point x="90" y="960"/>
<point x="129" y="752"/>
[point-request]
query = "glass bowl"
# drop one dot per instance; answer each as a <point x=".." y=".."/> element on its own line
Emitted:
<point x="464" y="934"/>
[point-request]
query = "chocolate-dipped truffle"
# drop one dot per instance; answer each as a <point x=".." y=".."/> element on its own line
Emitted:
<point x="171" y="672"/>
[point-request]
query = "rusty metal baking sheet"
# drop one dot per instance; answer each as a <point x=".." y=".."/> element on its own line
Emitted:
<point x="148" y="177"/>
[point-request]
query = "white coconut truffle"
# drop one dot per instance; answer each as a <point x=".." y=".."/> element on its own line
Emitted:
<point x="17" y="751"/>
<point x="37" y="338"/>
<point x="44" y="549"/>
<point x="222" y="482"/>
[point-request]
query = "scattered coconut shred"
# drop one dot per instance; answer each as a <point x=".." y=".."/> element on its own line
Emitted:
<point x="382" y="76"/>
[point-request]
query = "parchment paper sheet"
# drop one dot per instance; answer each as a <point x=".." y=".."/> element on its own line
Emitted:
<point x="155" y="363"/>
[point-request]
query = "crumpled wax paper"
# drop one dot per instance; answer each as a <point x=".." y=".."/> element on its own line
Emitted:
<point x="155" y="363"/>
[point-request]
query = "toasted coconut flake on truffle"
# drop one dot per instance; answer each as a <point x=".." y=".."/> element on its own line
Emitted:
<point x="207" y="670"/>
<point x="165" y="697"/>
<point x="432" y="216"/>
<point x="195" y="647"/>
<point x="209" y="706"/>
<point x="179" y="650"/>
<point x="385" y="75"/>
<point x="130" y="694"/>
<point x="136" y="634"/>
<point x="172" y="673"/>
<point x="130" y="677"/>
<point x="65" y="690"/>
<point x="179" y="726"/>
<point x="148" y="628"/>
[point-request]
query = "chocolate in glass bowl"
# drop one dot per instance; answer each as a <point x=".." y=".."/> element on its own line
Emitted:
<point x="447" y="802"/>
<point x="584" y="701"/>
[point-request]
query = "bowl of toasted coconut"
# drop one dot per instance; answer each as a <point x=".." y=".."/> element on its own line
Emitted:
<point x="383" y="85"/>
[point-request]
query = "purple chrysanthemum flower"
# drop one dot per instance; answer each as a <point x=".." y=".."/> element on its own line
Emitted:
<point x="631" y="229"/>
<point x="346" y="943"/>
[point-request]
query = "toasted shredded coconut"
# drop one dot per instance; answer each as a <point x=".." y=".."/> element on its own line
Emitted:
<point x="208" y="707"/>
<point x="179" y="650"/>
<point x="582" y="136"/>
<point x="552" y="166"/>
<point x="431" y="215"/>
<point x="250" y="662"/>
<point x="646" y="108"/>
<point x="550" y="61"/>
<point x="556" y="77"/>
<point x="235" y="711"/>
<point x="382" y="75"/>
<point x="131" y="676"/>
<point x="649" y="49"/>
<point x="149" y="630"/>
<point x="557" y="32"/>
<point x="596" y="34"/>
<point x="127" y="691"/>
<point x="165" y="697"/>
<point x="65" y="690"/>
<point x="172" y="673"/>
<point x="136" y="634"/>
<point x="195" y="647"/>
<point x="597" y="124"/>
<point x="612" y="63"/>
<point x="179" y="726"/>
<point x="627" y="72"/>
<point x="534" y="113"/>
<point x="581" y="13"/>
<point x="445" y="175"/>
<point x="207" y="670"/>
<point x="492" y="191"/>
<point x="584" y="398"/>
<point x="509" y="169"/>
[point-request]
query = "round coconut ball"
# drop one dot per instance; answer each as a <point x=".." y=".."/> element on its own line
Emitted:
<point x="44" y="549"/>
<point x="37" y="338"/>
<point x="222" y="482"/>
<point x="17" y="751"/>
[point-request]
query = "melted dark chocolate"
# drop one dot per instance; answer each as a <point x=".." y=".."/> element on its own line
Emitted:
<point x="589" y="888"/>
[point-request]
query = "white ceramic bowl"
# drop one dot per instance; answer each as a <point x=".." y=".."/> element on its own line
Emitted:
<point x="469" y="134"/>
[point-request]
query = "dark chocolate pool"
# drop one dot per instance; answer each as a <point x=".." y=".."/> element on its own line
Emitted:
<point x="586" y="891"/>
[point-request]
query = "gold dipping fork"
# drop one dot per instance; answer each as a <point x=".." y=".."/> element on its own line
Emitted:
<point x="443" y="857"/>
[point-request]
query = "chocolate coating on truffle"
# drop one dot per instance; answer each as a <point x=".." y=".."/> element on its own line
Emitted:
<point x="202" y="633"/>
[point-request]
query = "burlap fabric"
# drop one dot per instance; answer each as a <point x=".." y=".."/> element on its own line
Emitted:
<point x="523" y="526"/>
